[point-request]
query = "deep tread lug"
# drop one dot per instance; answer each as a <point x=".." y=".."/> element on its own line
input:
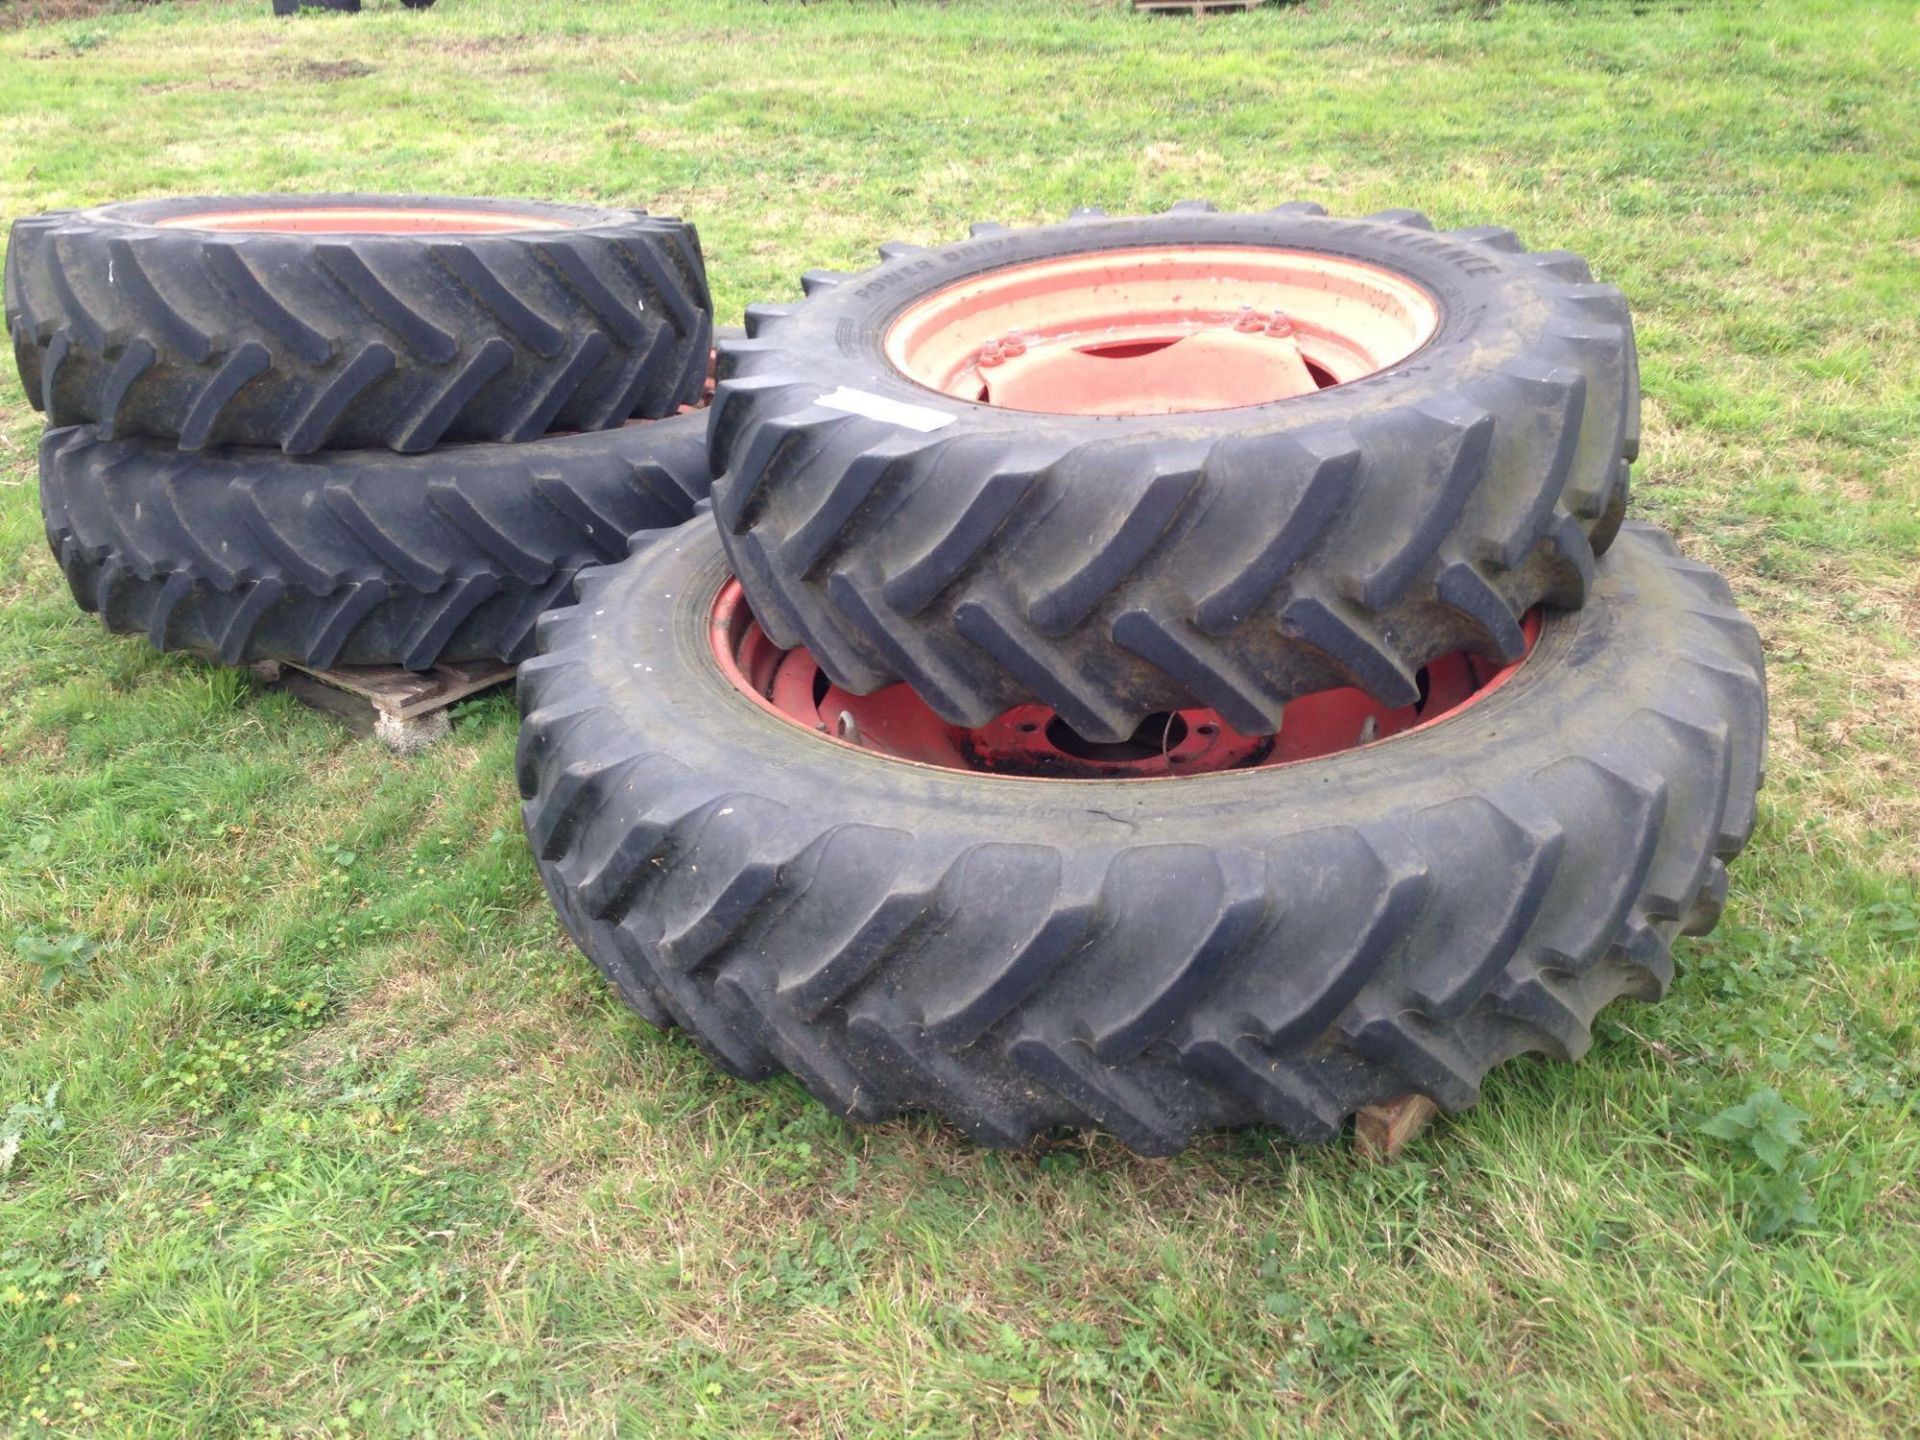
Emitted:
<point x="1412" y="219"/>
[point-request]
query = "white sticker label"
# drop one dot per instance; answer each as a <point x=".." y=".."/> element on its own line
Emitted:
<point x="879" y="407"/>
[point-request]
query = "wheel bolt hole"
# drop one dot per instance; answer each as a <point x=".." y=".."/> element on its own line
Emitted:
<point x="1156" y="735"/>
<point x="1127" y="350"/>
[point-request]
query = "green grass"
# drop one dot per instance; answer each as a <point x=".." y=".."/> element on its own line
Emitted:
<point x="349" y="1141"/>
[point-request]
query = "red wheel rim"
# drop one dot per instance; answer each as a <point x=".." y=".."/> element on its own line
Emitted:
<point x="1031" y="742"/>
<point x="362" y="220"/>
<point x="1161" y="330"/>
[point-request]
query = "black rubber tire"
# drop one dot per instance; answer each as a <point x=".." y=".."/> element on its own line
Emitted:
<point x="1281" y="945"/>
<point x="338" y="341"/>
<point x="355" y="558"/>
<point x="1112" y="567"/>
<point x="294" y="7"/>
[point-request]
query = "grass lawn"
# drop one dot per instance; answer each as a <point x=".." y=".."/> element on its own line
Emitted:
<point x="348" y="1140"/>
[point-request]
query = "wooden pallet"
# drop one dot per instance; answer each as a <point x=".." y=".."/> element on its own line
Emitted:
<point x="1381" y="1132"/>
<point x="406" y="710"/>
<point x="1195" y="7"/>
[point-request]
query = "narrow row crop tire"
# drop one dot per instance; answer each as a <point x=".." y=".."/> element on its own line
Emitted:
<point x="578" y="318"/>
<point x="1277" y="945"/>
<point x="1111" y="567"/>
<point x="356" y="557"/>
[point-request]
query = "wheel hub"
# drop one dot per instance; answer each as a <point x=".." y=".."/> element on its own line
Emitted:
<point x="1034" y="742"/>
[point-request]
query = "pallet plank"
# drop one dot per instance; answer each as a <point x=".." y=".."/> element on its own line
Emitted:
<point x="1383" y="1131"/>
<point x="1195" y="7"/>
<point x="405" y="709"/>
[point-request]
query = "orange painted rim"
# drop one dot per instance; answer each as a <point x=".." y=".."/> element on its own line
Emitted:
<point x="362" y="220"/>
<point x="1161" y="329"/>
<point x="1032" y="742"/>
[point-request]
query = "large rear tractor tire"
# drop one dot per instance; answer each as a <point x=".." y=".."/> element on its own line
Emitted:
<point x="1019" y="928"/>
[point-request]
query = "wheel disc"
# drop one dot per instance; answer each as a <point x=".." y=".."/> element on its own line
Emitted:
<point x="1161" y="330"/>
<point x="1031" y="741"/>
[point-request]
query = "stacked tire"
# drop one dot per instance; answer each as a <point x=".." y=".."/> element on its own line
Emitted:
<point x="1153" y="673"/>
<point x="355" y="430"/>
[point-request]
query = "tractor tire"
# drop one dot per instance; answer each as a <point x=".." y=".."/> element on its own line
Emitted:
<point x="196" y="321"/>
<point x="1281" y="945"/>
<point x="1110" y="565"/>
<point x="363" y="558"/>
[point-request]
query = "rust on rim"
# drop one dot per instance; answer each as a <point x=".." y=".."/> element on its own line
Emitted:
<point x="1031" y="741"/>
<point x="362" y="220"/>
<point x="1161" y="330"/>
